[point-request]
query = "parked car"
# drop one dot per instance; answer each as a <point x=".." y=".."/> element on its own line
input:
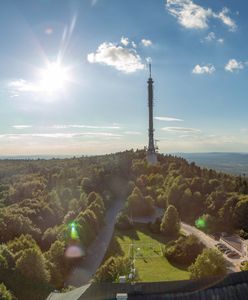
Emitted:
<point x="221" y="246"/>
<point x="232" y="254"/>
<point x="223" y="250"/>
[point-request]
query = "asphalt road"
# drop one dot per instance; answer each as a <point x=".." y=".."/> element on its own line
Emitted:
<point x="83" y="273"/>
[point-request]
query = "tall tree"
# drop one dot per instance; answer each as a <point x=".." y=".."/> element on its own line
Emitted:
<point x="170" y="224"/>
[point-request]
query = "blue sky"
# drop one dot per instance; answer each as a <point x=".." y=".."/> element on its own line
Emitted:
<point x="73" y="75"/>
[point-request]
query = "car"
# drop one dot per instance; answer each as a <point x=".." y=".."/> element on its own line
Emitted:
<point x="232" y="254"/>
<point x="228" y="251"/>
<point x="221" y="246"/>
<point x="222" y="250"/>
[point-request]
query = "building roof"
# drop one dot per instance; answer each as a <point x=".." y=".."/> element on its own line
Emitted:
<point x="233" y="286"/>
<point x="234" y="241"/>
<point x="72" y="295"/>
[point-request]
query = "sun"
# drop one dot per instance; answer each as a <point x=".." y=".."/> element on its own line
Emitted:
<point x="54" y="77"/>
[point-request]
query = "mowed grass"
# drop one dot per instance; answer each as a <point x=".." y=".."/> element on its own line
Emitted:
<point x="158" y="269"/>
<point x="151" y="265"/>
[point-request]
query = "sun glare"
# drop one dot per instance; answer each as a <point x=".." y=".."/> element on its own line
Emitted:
<point x="53" y="78"/>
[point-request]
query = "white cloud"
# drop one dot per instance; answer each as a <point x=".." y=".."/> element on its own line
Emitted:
<point x="181" y="129"/>
<point x="191" y="15"/>
<point x="21" y="126"/>
<point x="234" y="65"/>
<point x="146" y="42"/>
<point x="132" y="132"/>
<point x="59" y="135"/>
<point x="84" y="126"/>
<point x="208" y="69"/>
<point x="122" y="59"/>
<point x="168" y="119"/>
<point x="226" y="19"/>
<point x="124" y="41"/>
<point x="22" y="85"/>
<point x="133" y="44"/>
<point x="211" y="37"/>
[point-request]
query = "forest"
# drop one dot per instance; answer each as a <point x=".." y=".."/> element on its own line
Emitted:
<point x="41" y="199"/>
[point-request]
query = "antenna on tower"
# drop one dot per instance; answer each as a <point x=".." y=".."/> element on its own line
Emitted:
<point x="149" y="61"/>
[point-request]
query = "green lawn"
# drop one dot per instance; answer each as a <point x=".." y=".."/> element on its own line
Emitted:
<point x="149" y="261"/>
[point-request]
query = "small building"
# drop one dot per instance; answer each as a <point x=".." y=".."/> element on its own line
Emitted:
<point x="122" y="279"/>
<point x="236" y="243"/>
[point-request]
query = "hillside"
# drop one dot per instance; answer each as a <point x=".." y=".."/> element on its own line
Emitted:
<point x="47" y="206"/>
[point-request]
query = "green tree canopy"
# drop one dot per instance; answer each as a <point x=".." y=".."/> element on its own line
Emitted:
<point x="170" y="224"/>
<point x="32" y="265"/>
<point x="185" y="250"/>
<point x="112" y="269"/>
<point x="210" y="263"/>
<point x="4" y="293"/>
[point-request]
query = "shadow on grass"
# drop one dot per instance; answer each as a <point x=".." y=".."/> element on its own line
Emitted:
<point x="114" y="248"/>
<point x="178" y="266"/>
<point x="119" y="237"/>
<point x="130" y="233"/>
<point x="144" y="228"/>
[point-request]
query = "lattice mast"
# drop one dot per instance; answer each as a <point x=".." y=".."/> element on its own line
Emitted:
<point x="151" y="152"/>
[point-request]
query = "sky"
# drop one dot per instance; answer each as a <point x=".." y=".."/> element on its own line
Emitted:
<point x="73" y="75"/>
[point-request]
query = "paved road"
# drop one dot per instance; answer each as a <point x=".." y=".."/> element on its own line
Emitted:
<point x="204" y="238"/>
<point x="83" y="273"/>
<point x="233" y="264"/>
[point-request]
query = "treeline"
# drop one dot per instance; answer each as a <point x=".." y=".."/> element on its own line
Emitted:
<point x="40" y="200"/>
<point x="219" y="200"/>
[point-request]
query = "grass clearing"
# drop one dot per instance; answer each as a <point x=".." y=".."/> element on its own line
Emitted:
<point x="147" y="252"/>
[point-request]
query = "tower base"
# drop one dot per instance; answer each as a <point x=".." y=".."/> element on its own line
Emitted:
<point x="151" y="158"/>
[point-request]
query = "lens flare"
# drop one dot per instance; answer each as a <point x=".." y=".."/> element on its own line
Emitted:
<point x="200" y="223"/>
<point x="73" y="231"/>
